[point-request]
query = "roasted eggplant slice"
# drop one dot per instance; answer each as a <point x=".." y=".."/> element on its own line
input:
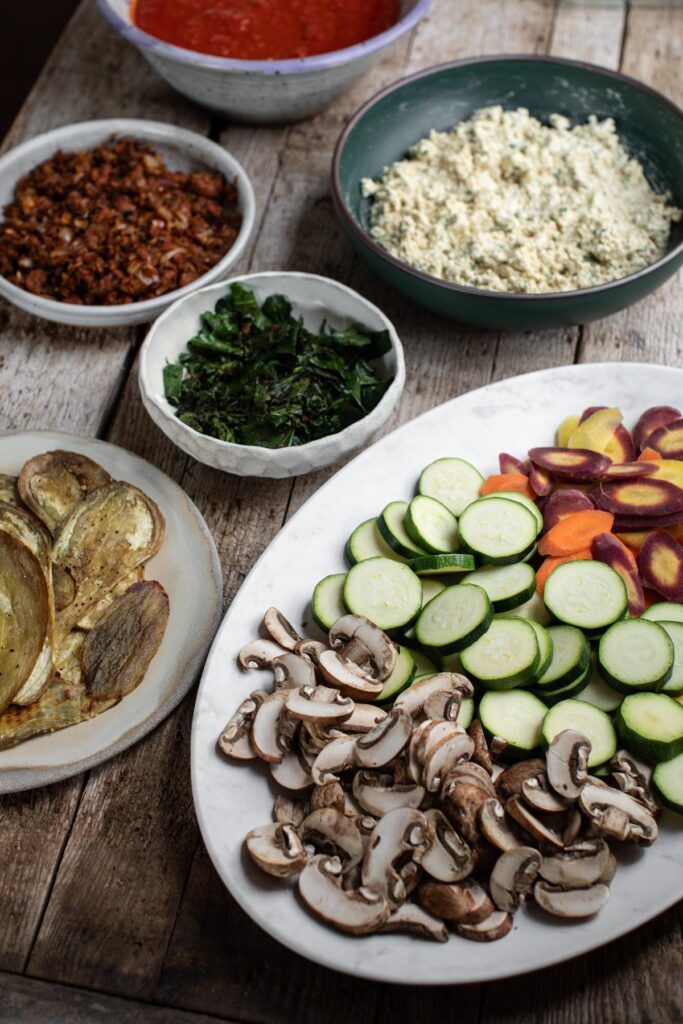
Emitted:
<point x="90" y="620"/>
<point x="24" y="615"/>
<point x="54" y="483"/>
<point x="9" y="491"/>
<point x="110" y="533"/>
<point x="118" y="651"/>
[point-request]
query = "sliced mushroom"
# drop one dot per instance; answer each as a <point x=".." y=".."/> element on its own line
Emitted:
<point x="495" y="926"/>
<point x="449" y="859"/>
<point x="462" y="801"/>
<point x="311" y="649"/>
<point x="572" y="825"/>
<point x="575" y="903"/>
<point x="356" y="911"/>
<point x="289" y="812"/>
<point x="320" y="704"/>
<point x="360" y="640"/>
<point x="618" y="815"/>
<point x="442" y="757"/>
<point x="259" y="654"/>
<point x="293" y="771"/>
<point x="449" y="684"/>
<point x="513" y="877"/>
<point x="509" y="782"/>
<point x="443" y="706"/>
<point x="363" y="718"/>
<point x="416" y="921"/>
<point x="464" y="902"/>
<point x="280" y="629"/>
<point x="348" y="677"/>
<point x="522" y="814"/>
<point x="416" y="749"/>
<point x="331" y="832"/>
<point x="235" y="740"/>
<point x="474" y="773"/>
<point x="377" y="794"/>
<point x="607" y="877"/>
<point x="480" y="754"/>
<point x="385" y="742"/>
<point x="330" y="794"/>
<point x="630" y="779"/>
<point x="336" y="757"/>
<point x="496" y="827"/>
<point x="567" y="763"/>
<point x="277" y="849"/>
<point x="538" y="795"/>
<point x="578" y="866"/>
<point x="265" y="731"/>
<point x="291" y="670"/>
<point x="398" y="838"/>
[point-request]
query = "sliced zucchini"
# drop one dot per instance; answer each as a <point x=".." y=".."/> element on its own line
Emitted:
<point x="328" y="600"/>
<point x="651" y="725"/>
<point x="576" y="688"/>
<point x="367" y="542"/>
<point x="636" y="655"/>
<point x="466" y="712"/>
<point x="570" y="657"/>
<point x="386" y="592"/>
<point x="454" y="619"/>
<point x="672" y="611"/>
<point x="521" y="499"/>
<point x="515" y="716"/>
<point x="534" y="609"/>
<point x="530" y="555"/>
<point x="392" y="526"/>
<point x="667" y="780"/>
<point x="674" y="684"/>
<point x="453" y="482"/>
<point x="431" y="525"/>
<point x="600" y="693"/>
<point x="442" y="565"/>
<point x="587" y="719"/>
<point x="400" y="678"/>
<point x="497" y="531"/>
<point x="590" y="595"/>
<point x="508" y="586"/>
<point x="424" y="666"/>
<point x="507" y="655"/>
<point x="545" y="646"/>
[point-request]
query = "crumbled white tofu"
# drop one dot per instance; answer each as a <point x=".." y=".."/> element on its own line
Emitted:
<point x="506" y="203"/>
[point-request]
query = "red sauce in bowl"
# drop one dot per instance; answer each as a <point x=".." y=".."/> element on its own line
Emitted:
<point x="264" y="29"/>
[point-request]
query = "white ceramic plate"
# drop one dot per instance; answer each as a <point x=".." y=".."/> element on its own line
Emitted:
<point x="513" y="415"/>
<point x="187" y="565"/>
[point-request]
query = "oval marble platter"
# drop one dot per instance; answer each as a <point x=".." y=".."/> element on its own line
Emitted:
<point x="230" y="799"/>
<point x="187" y="566"/>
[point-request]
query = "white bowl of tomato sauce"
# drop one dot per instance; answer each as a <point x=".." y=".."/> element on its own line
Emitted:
<point x="263" y="61"/>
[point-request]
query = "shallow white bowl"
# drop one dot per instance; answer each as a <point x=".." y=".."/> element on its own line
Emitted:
<point x="315" y="299"/>
<point x="183" y="151"/>
<point x="261" y="91"/>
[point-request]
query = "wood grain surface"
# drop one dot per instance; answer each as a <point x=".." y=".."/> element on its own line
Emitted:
<point x="110" y="909"/>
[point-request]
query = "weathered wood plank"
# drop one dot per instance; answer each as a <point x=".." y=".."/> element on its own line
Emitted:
<point x="593" y="34"/>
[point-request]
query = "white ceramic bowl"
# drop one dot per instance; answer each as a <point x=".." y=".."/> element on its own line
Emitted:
<point x="183" y="151"/>
<point x="261" y="91"/>
<point x="315" y="299"/>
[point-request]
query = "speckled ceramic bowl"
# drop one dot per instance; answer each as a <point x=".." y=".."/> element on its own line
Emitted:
<point x="261" y="91"/>
<point x="382" y="132"/>
<point x="315" y="299"/>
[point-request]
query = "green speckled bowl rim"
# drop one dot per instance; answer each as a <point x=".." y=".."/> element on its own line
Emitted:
<point x="463" y="289"/>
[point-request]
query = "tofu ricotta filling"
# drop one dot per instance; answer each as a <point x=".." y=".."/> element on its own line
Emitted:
<point x="507" y="203"/>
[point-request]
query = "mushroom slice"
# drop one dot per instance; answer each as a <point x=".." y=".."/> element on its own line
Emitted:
<point x="495" y="826"/>
<point x="235" y="740"/>
<point x="464" y="902"/>
<point x="442" y="758"/>
<point x="292" y="772"/>
<point x="573" y="823"/>
<point x="509" y="782"/>
<point x="291" y="670"/>
<point x="575" y="903"/>
<point x="385" y="742"/>
<point x="513" y="877"/>
<point x="336" y="757"/>
<point x="311" y="649"/>
<point x="413" y="699"/>
<point x="533" y="825"/>
<point x="348" y="677"/>
<point x="443" y="706"/>
<point x="480" y="754"/>
<point x="567" y="763"/>
<point x="356" y="911"/>
<point x="363" y="718"/>
<point x="538" y="795"/>
<point x="495" y="926"/>
<point x="416" y="748"/>
<point x="277" y="849"/>
<point x="607" y="877"/>
<point x="319" y="704"/>
<point x="474" y="773"/>
<point x="618" y="815"/>
<point x="24" y="616"/>
<point x="399" y="838"/>
<point x="331" y="832"/>
<point x="330" y="794"/>
<point x="289" y="812"/>
<point x="449" y="859"/>
<point x="462" y="802"/>
<point x="259" y="654"/>
<point x="411" y="918"/>
<point x="54" y="483"/>
<point x="578" y="866"/>
<point x="378" y="794"/>
<point x="360" y="640"/>
<point x="9" y="492"/>
<point x="265" y="730"/>
<point x="630" y="779"/>
<point x="281" y="631"/>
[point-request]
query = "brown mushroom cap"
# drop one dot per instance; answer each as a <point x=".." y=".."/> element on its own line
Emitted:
<point x="509" y="782"/>
<point x="464" y="902"/>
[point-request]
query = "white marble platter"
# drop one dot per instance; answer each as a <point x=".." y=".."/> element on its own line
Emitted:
<point x="230" y="799"/>
<point x="186" y="565"/>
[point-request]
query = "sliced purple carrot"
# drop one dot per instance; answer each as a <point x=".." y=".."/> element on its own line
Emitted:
<point x="624" y="524"/>
<point x="563" y="503"/>
<point x="578" y="464"/>
<point x="540" y="480"/>
<point x="621" y="447"/>
<point x="651" y="420"/>
<point x="668" y="440"/>
<point x="648" y="496"/>
<point x="629" y="470"/>
<point x="609" y="549"/>
<point x="661" y="565"/>
<point x="590" y="410"/>
<point x="511" y="464"/>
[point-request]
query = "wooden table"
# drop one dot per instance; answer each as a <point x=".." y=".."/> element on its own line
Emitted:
<point x="109" y="907"/>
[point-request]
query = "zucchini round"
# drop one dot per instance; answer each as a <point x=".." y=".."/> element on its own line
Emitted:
<point x="587" y="719"/>
<point x="651" y="725"/>
<point x="386" y="592"/>
<point x="497" y="531"/>
<point x="454" y="619"/>
<point x="636" y="655"/>
<point x="590" y="595"/>
<point x="507" y="655"/>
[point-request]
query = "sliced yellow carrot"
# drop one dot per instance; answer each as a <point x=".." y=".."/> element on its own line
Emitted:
<point x="596" y="431"/>
<point x="566" y="429"/>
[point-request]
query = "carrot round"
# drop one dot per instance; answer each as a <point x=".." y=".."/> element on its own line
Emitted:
<point x="550" y="564"/>
<point x="507" y="482"/>
<point x="575" y="533"/>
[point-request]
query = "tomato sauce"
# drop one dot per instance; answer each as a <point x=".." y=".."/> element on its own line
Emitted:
<point x="264" y="29"/>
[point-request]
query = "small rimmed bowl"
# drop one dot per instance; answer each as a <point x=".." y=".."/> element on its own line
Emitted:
<point x="183" y="151"/>
<point x="313" y="298"/>
<point x="382" y="132"/>
<point x="261" y="91"/>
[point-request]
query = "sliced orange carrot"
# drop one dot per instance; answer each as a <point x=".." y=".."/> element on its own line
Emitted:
<point x="575" y="533"/>
<point x="649" y="455"/>
<point x="507" y="482"/>
<point x="550" y="564"/>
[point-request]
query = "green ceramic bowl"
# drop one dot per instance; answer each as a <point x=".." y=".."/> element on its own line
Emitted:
<point x="382" y="131"/>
